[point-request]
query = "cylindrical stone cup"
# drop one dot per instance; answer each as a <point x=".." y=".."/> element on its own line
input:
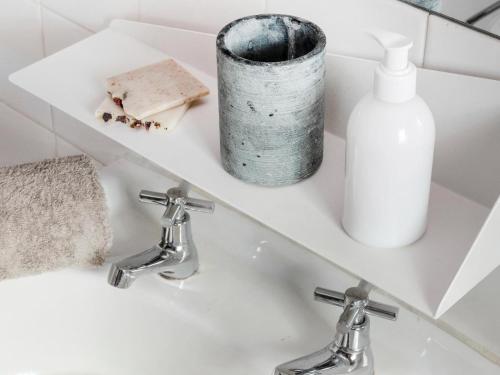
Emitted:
<point x="271" y="91"/>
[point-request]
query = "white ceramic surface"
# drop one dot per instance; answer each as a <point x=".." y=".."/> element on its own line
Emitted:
<point x="59" y="32"/>
<point x="105" y="150"/>
<point x="424" y="270"/>
<point x="248" y="309"/>
<point x="206" y="16"/>
<point x="94" y="15"/>
<point x="20" y="45"/>
<point x="344" y="23"/>
<point x="456" y="48"/>
<point x="483" y="333"/>
<point x="21" y="140"/>
<point x="64" y="148"/>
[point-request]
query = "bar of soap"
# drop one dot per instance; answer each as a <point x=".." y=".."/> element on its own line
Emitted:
<point x="108" y="111"/>
<point x="154" y="88"/>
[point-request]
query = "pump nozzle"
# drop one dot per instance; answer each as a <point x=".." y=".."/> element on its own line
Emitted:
<point x="396" y="48"/>
<point x="395" y="77"/>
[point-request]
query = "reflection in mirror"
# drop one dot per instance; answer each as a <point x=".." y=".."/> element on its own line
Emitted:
<point x="480" y="14"/>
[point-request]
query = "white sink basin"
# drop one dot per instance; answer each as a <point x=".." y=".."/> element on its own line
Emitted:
<point x="248" y="309"/>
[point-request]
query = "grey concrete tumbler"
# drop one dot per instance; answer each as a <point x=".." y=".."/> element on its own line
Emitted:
<point x="271" y="91"/>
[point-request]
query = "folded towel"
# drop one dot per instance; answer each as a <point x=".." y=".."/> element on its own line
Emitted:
<point x="53" y="214"/>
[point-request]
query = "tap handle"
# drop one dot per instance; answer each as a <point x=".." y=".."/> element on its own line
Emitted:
<point x="148" y="196"/>
<point x="199" y="205"/>
<point x="357" y="296"/>
<point x="176" y="202"/>
<point x="178" y="196"/>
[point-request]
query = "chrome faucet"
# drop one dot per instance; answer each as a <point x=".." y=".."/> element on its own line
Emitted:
<point x="175" y="256"/>
<point x="349" y="352"/>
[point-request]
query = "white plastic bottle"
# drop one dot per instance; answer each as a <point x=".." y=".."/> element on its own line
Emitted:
<point x="389" y="154"/>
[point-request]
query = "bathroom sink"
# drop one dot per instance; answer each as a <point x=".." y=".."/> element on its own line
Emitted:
<point x="248" y="309"/>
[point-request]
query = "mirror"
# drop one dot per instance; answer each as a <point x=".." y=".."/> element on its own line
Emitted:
<point x="481" y="15"/>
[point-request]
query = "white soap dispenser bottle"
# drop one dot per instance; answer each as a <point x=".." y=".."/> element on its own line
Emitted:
<point x="389" y="154"/>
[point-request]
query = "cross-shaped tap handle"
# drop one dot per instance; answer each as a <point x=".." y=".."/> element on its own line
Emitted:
<point x="356" y="297"/>
<point x="176" y="202"/>
<point x="356" y="304"/>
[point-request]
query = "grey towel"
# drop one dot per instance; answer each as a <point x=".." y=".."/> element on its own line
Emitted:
<point x="53" y="214"/>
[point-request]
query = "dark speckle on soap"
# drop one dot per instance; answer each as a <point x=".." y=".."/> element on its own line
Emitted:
<point x="244" y="164"/>
<point x="118" y="102"/>
<point x="106" y="116"/>
<point x="271" y="114"/>
<point x="121" y="119"/>
<point x="251" y="106"/>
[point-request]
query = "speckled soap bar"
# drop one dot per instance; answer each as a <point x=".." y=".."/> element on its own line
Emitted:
<point x="154" y="88"/>
<point x="108" y="111"/>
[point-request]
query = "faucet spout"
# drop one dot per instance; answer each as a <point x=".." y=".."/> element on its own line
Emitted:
<point x="322" y="362"/>
<point x="175" y="257"/>
<point x="167" y="262"/>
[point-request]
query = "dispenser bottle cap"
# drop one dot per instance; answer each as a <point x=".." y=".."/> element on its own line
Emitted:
<point x="395" y="77"/>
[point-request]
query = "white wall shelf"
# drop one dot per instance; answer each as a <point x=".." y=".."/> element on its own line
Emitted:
<point x="430" y="275"/>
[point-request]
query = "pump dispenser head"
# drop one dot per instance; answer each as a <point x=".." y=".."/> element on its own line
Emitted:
<point x="396" y="49"/>
<point x="395" y="77"/>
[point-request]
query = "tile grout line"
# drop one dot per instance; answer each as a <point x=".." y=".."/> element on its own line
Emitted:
<point x="25" y="116"/>
<point x="424" y="57"/>
<point x="20" y="112"/>
<point x="66" y="18"/>
<point x="42" y="7"/>
<point x="44" y="51"/>
<point x="56" y="142"/>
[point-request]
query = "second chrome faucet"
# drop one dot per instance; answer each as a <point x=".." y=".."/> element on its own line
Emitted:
<point x="175" y="256"/>
<point x="350" y="351"/>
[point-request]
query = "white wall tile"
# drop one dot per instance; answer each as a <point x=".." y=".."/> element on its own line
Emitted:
<point x="22" y="140"/>
<point x="189" y="47"/>
<point x="64" y="148"/>
<point x="59" y="32"/>
<point x="344" y="22"/>
<point x="94" y="14"/>
<point x="467" y="114"/>
<point x="205" y="15"/>
<point x="20" y="45"/>
<point x="455" y="48"/>
<point x="86" y="139"/>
